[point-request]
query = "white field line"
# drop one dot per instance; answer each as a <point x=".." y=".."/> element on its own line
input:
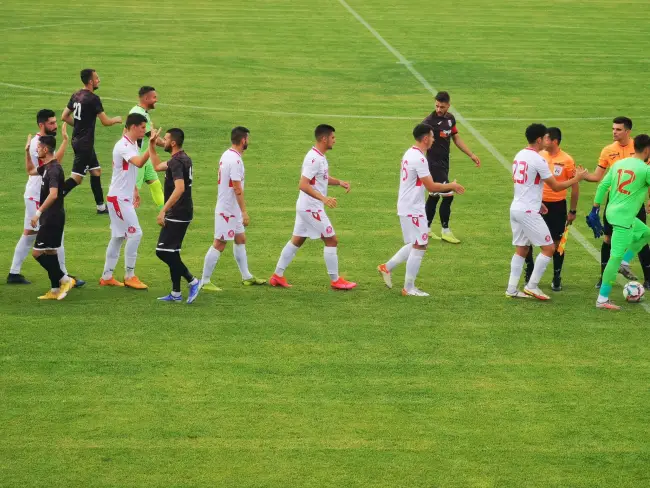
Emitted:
<point x="477" y="135"/>
<point x="306" y="114"/>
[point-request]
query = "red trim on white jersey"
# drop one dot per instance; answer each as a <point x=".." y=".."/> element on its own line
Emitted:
<point x="236" y="152"/>
<point x="417" y="148"/>
<point x="130" y="141"/>
<point x="314" y="148"/>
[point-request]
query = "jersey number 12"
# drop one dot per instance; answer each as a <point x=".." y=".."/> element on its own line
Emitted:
<point x="621" y="185"/>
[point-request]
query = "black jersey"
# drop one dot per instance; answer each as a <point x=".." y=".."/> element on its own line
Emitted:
<point x="53" y="177"/>
<point x="179" y="167"/>
<point x="443" y="129"/>
<point x="85" y="107"/>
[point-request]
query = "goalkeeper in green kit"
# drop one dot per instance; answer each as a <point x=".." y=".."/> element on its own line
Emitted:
<point x="148" y="99"/>
<point x="627" y="182"/>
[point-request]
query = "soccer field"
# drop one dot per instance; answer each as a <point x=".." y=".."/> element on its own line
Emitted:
<point x="310" y="387"/>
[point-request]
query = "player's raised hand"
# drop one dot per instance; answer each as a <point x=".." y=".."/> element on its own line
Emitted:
<point x="346" y="185"/>
<point x="581" y="173"/>
<point x="29" y="141"/>
<point x="154" y="136"/>
<point x="458" y="188"/>
<point x="330" y="202"/>
<point x="245" y="218"/>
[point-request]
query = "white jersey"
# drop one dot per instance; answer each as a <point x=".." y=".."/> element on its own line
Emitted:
<point x="411" y="195"/>
<point x="33" y="187"/>
<point x="231" y="168"/>
<point x="316" y="168"/>
<point x="124" y="174"/>
<point x="529" y="169"/>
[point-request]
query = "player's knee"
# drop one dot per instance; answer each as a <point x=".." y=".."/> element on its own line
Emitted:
<point x="219" y="245"/>
<point x="36" y="254"/>
<point x="420" y="247"/>
<point x="331" y="241"/>
<point x="548" y="250"/>
<point x="607" y="239"/>
<point x="240" y="238"/>
<point x="96" y="172"/>
<point x="136" y="234"/>
<point x="297" y="240"/>
<point x="28" y="232"/>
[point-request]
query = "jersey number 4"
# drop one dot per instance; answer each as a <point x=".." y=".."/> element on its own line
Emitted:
<point x="76" y="113"/>
<point x="620" y="186"/>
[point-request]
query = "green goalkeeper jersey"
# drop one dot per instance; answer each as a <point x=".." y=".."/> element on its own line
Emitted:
<point x="628" y="182"/>
<point x="139" y="110"/>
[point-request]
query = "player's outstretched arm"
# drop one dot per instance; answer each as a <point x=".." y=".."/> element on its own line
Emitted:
<point x="29" y="166"/>
<point x="597" y="175"/>
<point x="433" y="187"/>
<point x="155" y="159"/>
<point x="309" y="190"/>
<point x="336" y="182"/>
<point x="460" y="144"/>
<point x="555" y="185"/>
<point x="61" y="151"/>
<point x="108" y="121"/>
<point x="602" y="189"/>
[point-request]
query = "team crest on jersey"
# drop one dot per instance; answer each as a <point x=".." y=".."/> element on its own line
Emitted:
<point x="425" y="237"/>
<point x="329" y="229"/>
<point x="449" y="121"/>
<point x="131" y="229"/>
<point x="547" y="238"/>
<point x="231" y="233"/>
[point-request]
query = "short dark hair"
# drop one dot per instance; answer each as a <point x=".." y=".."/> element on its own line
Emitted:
<point x="641" y="142"/>
<point x="44" y="115"/>
<point x="443" y="97"/>
<point x="144" y="90"/>
<point x="421" y="130"/>
<point x="177" y="135"/>
<point x="49" y="141"/>
<point x="534" y="132"/>
<point x="86" y="75"/>
<point x="626" y="121"/>
<point x="323" y="130"/>
<point x="555" y="134"/>
<point x="135" y="119"/>
<point x="238" y="134"/>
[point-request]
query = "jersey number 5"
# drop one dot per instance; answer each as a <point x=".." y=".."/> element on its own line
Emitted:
<point x="76" y="113"/>
<point x="622" y="184"/>
<point x="519" y="172"/>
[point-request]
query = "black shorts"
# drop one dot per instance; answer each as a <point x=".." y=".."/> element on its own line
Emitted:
<point x="556" y="218"/>
<point x="48" y="237"/>
<point x="607" y="227"/>
<point x="84" y="161"/>
<point x="171" y="236"/>
<point x="440" y="174"/>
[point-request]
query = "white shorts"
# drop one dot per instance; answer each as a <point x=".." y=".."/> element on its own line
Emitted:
<point x="314" y="225"/>
<point x="31" y="206"/>
<point x="124" y="220"/>
<point x="226" y="228"/>
<point x="529" y="228"/>
<point x="414" y="230"/>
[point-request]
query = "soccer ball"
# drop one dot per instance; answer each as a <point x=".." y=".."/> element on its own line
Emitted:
<point x="633" y="291"/>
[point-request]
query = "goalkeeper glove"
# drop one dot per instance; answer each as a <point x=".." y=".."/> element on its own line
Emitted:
<point x="593" y="221"/>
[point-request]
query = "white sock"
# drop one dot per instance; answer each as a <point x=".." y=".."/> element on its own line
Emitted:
<point x="625" y="263"/>
<point x="331" y="262"/>
<point x="413" y="267"/>
<point x="601" y="299"/>
<point x="540" y="266"/>
<point x="400" y="257"/>
<point x="112" y="255"/>
<point x="176" y="294"/>
<point x="516" y="266"/>
<point x="195" y="281"/>
<point x="131" y="254"/>
<point x="210" y="261"/>
<point x="65" y="279"/>
<point x="445" y="231"/>
<point x="23" y="247"/>
<point x="101" y="207"/>
<point x="286" y="256"/>
<point x="239" y="252"/>
<point x="60" y="253"/>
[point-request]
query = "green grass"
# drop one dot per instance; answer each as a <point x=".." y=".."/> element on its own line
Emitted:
<point x="310" y="387"/>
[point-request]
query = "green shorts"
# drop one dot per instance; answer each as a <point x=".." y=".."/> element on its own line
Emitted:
<point x="623" y="238"/>
<point x="146" y="173"/>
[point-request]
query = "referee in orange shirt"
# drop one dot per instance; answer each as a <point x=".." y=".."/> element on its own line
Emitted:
<point x="563" y="168"/>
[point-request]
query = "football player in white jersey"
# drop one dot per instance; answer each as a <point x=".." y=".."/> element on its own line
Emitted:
<point x="414" y="179"/>
<point x="529" y="173"/>
<point x="230" y="215"/>
<point x="123" y="198"/>
<point x="47" y="125"/>
<point x="311" y="220"/>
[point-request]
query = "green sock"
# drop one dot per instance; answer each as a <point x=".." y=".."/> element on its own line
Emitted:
<point x="157" y="194"/>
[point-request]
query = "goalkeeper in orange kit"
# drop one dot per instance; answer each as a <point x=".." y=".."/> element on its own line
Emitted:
<point x="557" y="216"/>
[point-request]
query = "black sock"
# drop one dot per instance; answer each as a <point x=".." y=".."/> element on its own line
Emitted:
<point x="172" y="260"/>
<point x="96" y="187"/>
<point x="604" y="256"/>
<point x="445" y="211"/>
<point x="530" y="264"/>
<point x="185" y="273"/>
<point x="644" y="259"/>
<point x="430" y="207"/>
<point x="50" y="263"/>
<point x="558" y="261"/>
<point x="69" y="185"/>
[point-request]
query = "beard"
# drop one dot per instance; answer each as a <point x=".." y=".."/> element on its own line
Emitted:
<point x="245" y="146"/>
<point x="168" y="148"/>
<point x="50" y="132"/>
